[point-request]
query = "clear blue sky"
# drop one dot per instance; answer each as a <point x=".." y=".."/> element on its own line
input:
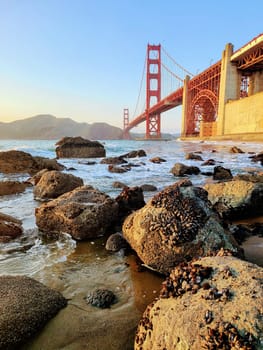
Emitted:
<point x="84" y="59"/>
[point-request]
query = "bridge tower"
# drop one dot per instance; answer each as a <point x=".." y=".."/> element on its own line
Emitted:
<point x="126" y="122"/>
<point x="153" y="90"/>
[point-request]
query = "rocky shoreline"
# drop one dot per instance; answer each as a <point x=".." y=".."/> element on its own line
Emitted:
<point x="182" y="227"/>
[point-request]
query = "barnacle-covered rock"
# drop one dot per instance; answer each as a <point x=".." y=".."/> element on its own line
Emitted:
<point x="212" y="303"/>
<point x="176" y="225"/>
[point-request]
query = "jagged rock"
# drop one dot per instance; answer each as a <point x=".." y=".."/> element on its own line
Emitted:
<point x="250" y="177"/>
<point x="157" y="160"/>
<point x="221" y="173"/>
<point x="118" y="170"/>
<point x="116" y="242"/>
<point x="236" y="199"/>
<point x="134" y="154"/>
<point x="102" y="298"/>
<point x="11" y="187"/>
<point x="10" y="228"/>
<point x="83" y="213"/>
<point x="130" y="199"/>
<point x="55" y="183"/>
<point x="22" y="162"/>
<point x="193" y="156"/>
<point x="35" y="178"/>
<point x="78" y="147"/>
<point x="113" y="160"/>
<point x="25" y="307"/>
<point x="148" y="187"/>
<point x="236" y="149"/>
<point x="177" y="224"/>
<point x="180" y="169"/>
<point x="212" y="303"/>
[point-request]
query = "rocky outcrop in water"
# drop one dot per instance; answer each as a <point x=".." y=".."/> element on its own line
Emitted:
<point x="83" y="213"/>
<point x="22" y="162"/>
<point x="54" y="183"/>
<point x="211" y="303"/>
<point x="78" y="147"/>
<point x="25" y="307"/>
<point x="10" y="228"/>
<point x="180" y="169"/>
<point x="11" y="187"/>
<point x="236" y="199"/>
<point x="221" y="173"/>
<point x="176" y="224"/>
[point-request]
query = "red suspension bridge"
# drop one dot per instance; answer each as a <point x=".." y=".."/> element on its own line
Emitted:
<point x="198" y="95"/>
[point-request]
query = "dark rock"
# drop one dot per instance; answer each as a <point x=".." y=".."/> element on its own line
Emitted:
<point x="209" y="162"/>
<point x="180" y="169"/>
<point x="118" y="170"/>
<point x="134" y="154"/>
<point x="11" y="187"/>
<point x="116" y="242"/>
<point x="49" y="164"/>
<point x="236" y="149"/>
<point x="221" y="173"/>
<point x="130" y="199"/>
<point x="25" y="307"/>
<point x="157" y="160"/>
<point x="250" y="177"/>
<point x="148" y="188"/>
<point x="84" y="213"/>
<point x="54" y="183"/>
<point x="78" y="147"/>
<point x="118" y="184"/>
<point x="177" y="224"/>
<point x="102" y="298"/>
<point x="193" y="156"/>
<point x="257" y="158"/>
<point x="113" y="160"/>
<point x="10" y="228"/>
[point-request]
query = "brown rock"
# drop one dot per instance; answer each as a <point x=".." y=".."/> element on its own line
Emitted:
<point x="118" y="170"/>
<point x="223" y="311"/>
<point x="55" y="183"/>
<point x="11" y="187"/>
<point x="10" y="228"/>
<point x="178" y="223"/>
<point x="221" y="173"/>
<point x="25" y="307"/>
<point x="134" y="154"/>
<point x="83" y="213"/>
<point x="113" y="160"/>
<point x="157" y="160"/>
<point x="129" y="200"/>
<point x="78" y="147"/>
<point x="193" y="156"/>
<point x="237" y="198"/>
<point x="180" y="169"/>
<point x="236" y="149"/>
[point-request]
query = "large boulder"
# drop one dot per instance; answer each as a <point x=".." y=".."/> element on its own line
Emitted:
<point x="25" y="307"/>
<point x="10" y="228"/>
<point x="236" y="199"/>
<point x="78" y="147"/>
<point x="22" y="162"/>
<point x="176" y="224"/>
<point x="11" y="187"/>
<point x="213" y="303"/>
<point x="83" y="213"/>
<point x="54" y="183"/>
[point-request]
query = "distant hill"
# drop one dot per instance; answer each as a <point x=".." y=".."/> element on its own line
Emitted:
<point x="48" y="127"/>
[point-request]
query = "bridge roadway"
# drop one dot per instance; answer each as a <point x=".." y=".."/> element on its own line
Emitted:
<point x="173" y="100"/>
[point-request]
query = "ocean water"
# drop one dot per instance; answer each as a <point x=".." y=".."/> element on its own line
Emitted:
<point x="46" y="259"/>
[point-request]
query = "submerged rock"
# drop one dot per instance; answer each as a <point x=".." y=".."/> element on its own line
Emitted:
<point x="11" y="187"/>
<point x="180" y="169"/>
<point x="54" y="183"/>
<point x="102" y="298"/>
<point x="83" y="213"/>
<point x="212" y="303"/>
<point x="177" y="224"/>
<point x="25" y="307"/>
<point x="221" y="173"/>
<point x="116" y="242"/>
<point x="78" y="147"/>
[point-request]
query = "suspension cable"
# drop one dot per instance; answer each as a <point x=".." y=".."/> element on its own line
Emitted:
<point x="140" y="90"/>
<point x="181" y="67"/>
<point x="168" y="70"/>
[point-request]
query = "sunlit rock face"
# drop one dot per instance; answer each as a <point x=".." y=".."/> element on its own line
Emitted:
<point x="177" y="224"/>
